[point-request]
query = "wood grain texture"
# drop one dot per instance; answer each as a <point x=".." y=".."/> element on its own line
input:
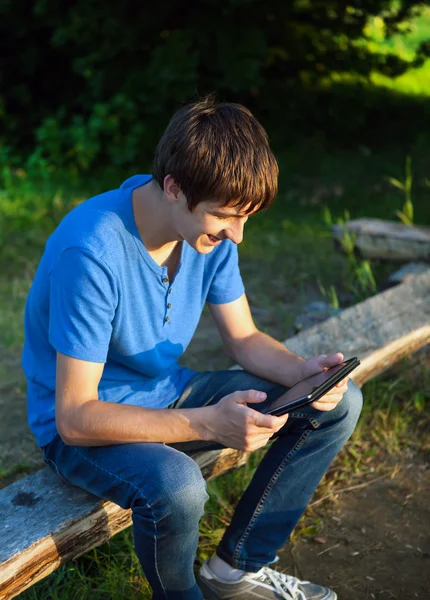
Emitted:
<point x="45" y="522"/>
<point x="388" y="240"/>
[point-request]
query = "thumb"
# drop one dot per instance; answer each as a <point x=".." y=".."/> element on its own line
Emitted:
<point x="249" y="396"/>
<point x="331" y="360"/>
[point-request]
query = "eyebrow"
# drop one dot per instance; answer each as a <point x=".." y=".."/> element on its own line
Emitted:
<point x="218" y="213"/>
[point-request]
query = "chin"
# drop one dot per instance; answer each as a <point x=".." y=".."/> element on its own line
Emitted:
<point x="203" y="249"/>
<point x="200" y="246"/>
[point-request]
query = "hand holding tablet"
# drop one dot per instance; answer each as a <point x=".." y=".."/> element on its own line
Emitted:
<point x="308" y="390"/>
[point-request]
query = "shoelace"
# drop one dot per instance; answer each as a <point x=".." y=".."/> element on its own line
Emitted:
<point x="285" y="585"/>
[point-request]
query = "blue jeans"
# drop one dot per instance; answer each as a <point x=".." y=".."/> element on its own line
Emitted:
<point x="166" y="491"/>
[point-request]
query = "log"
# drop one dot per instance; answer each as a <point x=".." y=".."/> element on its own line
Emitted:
<point x="386" y="240"/>
<point x="46" y="522"/>
<point x="380" y="330"/>
<point x="407" y="270"/>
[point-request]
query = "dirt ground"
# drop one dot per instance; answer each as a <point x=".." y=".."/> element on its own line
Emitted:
<point x="376" y="543"/>
<point x="375" y="540"/>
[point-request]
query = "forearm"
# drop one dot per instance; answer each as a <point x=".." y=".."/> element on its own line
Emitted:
<point x="97" y="423"/>
<point x="264" y="356"/>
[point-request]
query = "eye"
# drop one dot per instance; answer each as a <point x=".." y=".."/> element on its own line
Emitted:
<point x="221" y="217"/>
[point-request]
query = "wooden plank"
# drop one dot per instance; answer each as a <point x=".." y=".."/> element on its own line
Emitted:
<point x="408" y="270"/>
<point x="387" y="240"/>
<point x="382" y="329"/>
<point x="45" y="522"/>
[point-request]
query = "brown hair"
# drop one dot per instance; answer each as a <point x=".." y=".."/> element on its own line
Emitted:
<point x="218" y="152"/>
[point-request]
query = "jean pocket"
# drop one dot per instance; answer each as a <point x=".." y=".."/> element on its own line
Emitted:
<point x="56" y="470"/>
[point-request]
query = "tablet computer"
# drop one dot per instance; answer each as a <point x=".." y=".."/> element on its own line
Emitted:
<point x="307" y="390"/>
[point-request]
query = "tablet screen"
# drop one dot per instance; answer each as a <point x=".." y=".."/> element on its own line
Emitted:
<point x="301" y="389"/>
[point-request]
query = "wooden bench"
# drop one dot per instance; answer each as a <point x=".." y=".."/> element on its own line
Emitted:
<point x="45" y="523"/>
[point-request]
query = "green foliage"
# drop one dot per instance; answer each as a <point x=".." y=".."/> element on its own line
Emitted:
<point x="360" y="278"/>
<point x="31" y="206"/>
<point x="94" y="83"/>
<point x="364" y="283"/>
<point x="406" y="215"/>
<point x="329" y="294"/>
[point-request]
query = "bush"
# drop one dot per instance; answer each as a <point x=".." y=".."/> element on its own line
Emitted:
<point x="96" y="82"/>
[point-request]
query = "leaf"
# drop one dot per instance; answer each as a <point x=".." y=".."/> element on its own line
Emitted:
<point x="327" y="218"/>
<point x="408" y="169"/>
<point x="398" y="184"/>
<point x="408" y="210"/>
<point x="403" y="217"/>
<point x="419" y="402"/>
<point x="321" y="540"/>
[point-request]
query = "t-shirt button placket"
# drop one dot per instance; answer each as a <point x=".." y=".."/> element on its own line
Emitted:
<point x="165" y="280"/>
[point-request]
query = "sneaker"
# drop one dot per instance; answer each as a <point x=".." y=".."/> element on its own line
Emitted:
<point x="266" y="584"/>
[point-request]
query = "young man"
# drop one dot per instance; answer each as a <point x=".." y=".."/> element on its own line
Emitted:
<point x="114" y="303"/>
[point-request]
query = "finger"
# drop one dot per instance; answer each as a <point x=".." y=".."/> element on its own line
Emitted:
<point x="344" y="382"/>
<point x="255" y="431"/>
<point x="326" y="402"/>
<point x="332" y="360"/>
<point x="258" y="442"/>
<point x="324" y="407"/>
<point x="340" y="387"/>
<point x="268" y="422"/>
<point x="332" y="395"/>
<point x="249" y="396"/>
<point x="331" y="398"/>
<point x="281" y="421"/>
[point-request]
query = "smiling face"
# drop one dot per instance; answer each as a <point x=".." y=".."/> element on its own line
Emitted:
<point x="216" y="156"/>
<point x="208" y="224"/>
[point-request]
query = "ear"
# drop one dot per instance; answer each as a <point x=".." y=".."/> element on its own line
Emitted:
<point x="172" y="190"/>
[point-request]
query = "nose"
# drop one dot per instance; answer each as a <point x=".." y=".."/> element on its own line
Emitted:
<point x="235" y="231"/>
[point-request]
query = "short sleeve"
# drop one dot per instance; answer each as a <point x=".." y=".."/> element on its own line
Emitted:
<point x="83" y="299"/>
<point x="226" y="285"/>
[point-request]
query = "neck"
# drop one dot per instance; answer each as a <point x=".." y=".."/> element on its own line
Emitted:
<point x="153" y="217"/>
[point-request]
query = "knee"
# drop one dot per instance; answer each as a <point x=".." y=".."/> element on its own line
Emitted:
<point x="350" y="406"/>
<point x="189" y="496"/>
<point x="179" y="492"/>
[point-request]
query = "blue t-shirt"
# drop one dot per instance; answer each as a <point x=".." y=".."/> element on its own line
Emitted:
<point x="98" y="296"/>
